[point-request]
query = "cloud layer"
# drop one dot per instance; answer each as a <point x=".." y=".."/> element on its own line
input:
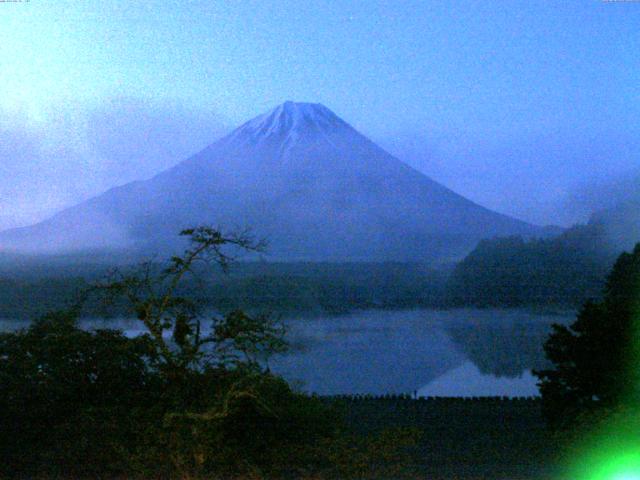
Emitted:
<point x="69" y="154"/>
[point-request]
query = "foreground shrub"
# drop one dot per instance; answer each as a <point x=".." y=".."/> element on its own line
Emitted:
<point x="181" y="401"/>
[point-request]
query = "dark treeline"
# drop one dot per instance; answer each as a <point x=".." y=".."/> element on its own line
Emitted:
<point x="285" y="288"/>
<point x="504" y="272"/>
<point x="513" y="272"/>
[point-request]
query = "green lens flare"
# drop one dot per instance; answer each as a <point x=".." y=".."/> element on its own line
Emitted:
<point x="625" y="467"/>
<point x="614" y="454"/>
<point x="626" y="476"/>
<point x="605" y="442"/>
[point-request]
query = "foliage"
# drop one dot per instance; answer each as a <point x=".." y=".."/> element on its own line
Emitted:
<point x="283" y="288"/>
<point x="513" y="272"/>
<point x="88" y="404"/>
<point x="386" y="454"/>
<point x="596" y="358"/>
<point x="189" y="399"/>
<point x="154" y="298"/>
<point x="69" y="397"/>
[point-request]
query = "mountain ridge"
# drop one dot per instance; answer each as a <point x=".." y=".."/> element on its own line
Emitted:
<point x="299" y="175"/>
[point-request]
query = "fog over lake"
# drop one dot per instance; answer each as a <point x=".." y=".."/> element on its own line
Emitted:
<point x="459" y="352"/>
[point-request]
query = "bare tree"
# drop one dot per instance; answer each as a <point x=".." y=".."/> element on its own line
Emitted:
<point x="175" y="322"/>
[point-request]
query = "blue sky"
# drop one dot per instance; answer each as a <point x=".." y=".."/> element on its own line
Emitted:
<point x="510" y="103"/>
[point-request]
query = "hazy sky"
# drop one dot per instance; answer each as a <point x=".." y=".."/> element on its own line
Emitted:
<point x="515" y="104"/>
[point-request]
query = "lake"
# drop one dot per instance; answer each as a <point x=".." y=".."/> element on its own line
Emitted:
<point x="462" y="352"/>
<point x="459" y="352"/>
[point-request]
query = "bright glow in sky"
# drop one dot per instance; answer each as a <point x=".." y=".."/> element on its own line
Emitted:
<point x="532" y="64"/>
<point x="483" y="96"/>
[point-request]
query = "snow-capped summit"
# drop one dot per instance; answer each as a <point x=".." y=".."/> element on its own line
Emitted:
<point x="295" y="116"/>
<point x="298" y="175"/>
<point x="288" y="121"/>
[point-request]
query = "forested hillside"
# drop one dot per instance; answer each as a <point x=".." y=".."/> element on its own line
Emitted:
<point x="512" y="272"/>
<point x="285" y="288"/>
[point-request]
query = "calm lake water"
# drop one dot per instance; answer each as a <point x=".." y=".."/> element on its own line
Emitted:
<point x="462" y="352"/>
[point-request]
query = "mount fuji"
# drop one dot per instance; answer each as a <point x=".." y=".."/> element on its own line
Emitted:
<point x="298" y="176"/>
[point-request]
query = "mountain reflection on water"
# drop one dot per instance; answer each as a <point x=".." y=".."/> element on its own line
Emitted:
<point x="468" y="381"/>
<point x="462" y="352"/>
<point x="504" y="349"/>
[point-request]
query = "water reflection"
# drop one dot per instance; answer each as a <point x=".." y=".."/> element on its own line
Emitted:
<point x="462" y="352"/>
<point x="468" y="381"/>
<point x="504" y="346"/>
<point x="368" y="352"/>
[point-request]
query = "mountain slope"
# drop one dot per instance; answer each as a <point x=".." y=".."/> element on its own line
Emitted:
<point x="301" y="177"/>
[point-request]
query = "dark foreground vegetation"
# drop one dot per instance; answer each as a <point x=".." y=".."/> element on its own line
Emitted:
<point x="181" y="402"/>
<point x="465" y="438"/>
<point x="591" y="393"/>
<point x="596" y="358"/>
<point x="77" y="404"/>
<point x="177" y="402"/>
